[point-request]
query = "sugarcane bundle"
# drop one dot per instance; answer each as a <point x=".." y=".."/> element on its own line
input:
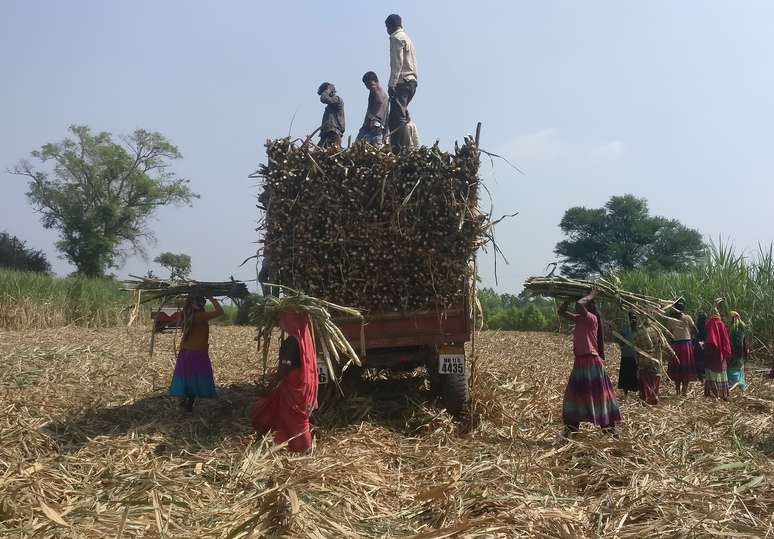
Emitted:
<point x="367" y="227"/>
<point x="151" y="289"/>
<point x="329" y="341"/>
<point x="170" y="293"/>
<point x="646" y="307"/>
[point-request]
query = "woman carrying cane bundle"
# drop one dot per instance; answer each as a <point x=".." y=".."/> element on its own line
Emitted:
<point x="649" y="357"/>
<point x="193" y="376"/>
<point x="682" y="368"/>
<point x="627" y="373"/>
<point x="287" y="409"/>
<point x="717" y="350"/>
<point x="739" y="352"/>
<point x="698" y="345"/>
<point x="589" y="395"/>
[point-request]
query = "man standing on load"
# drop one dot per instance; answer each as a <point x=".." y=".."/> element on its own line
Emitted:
<point x="376" y="114"/>
<point x="402" y="85"/>
<point x="332" y="126"/>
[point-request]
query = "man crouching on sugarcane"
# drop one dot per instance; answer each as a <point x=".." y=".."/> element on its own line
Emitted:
<point x="332" y="126"/>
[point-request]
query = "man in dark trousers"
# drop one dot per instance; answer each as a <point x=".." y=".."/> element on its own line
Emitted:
<point x="402" y="84"/>
<point x="376" y="115"/>
<point x="332" y="127"/>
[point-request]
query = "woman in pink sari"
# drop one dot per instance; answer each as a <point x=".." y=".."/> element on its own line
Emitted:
<point x="287" y="409"/>
<point x="717" y="350"/>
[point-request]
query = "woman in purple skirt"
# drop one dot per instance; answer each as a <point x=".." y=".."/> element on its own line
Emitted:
<point x="193" y="370"/>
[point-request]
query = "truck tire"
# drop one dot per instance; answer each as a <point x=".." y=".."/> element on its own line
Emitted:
<point x="454" y="392"/>
<point x="451" y="388"/>
<point x="351" y="379"/>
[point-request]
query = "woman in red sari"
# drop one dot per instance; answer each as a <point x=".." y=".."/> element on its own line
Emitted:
<point x="286" y="410"/>
<point x="717" y="350"/>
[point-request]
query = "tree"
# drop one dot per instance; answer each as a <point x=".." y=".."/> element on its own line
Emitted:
<point x="511" y="312"/>
<point x="622" y="236"/>
<point x="532" y="319"/>
<point x="179" y="265"/>
<point x="100" y="195"/>
<point x="15" y="254"/>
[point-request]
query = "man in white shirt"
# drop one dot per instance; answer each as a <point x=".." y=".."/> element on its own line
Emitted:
<point x="403" y="82"/>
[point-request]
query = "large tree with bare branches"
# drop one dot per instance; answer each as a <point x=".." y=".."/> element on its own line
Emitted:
<point x="100" y="194"/>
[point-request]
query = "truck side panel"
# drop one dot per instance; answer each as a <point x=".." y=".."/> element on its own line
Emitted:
<point x="418" y="328"/>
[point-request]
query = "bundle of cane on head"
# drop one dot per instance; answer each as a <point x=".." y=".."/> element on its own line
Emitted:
<point x="329" y="340"/>
<point x="184" y="295"/>
<point x="646" y="308"/>
<point x="153" y="289"/>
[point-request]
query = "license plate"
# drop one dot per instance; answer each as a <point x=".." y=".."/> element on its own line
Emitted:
<point x="322" y="371"/>
<point x="451" y="364"/>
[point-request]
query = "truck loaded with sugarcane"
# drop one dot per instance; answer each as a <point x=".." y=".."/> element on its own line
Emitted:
<point x="391" y="234"/>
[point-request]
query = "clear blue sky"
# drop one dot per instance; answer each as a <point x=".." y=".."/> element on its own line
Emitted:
<point x="666" y="100"/>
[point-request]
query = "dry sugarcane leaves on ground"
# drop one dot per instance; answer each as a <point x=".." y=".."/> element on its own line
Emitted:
<point x="91" y="447"/>
<point x="372" y="229"/>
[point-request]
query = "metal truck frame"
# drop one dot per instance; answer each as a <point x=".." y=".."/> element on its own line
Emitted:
<point x="406" y="340"/>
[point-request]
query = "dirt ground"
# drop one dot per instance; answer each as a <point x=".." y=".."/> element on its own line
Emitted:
<point x="91" y="447"/>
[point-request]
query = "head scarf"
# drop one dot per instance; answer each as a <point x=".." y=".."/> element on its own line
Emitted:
<point x="736" y="321"/>
<point x="717" y="335"/>
<point x="286" y="410"/>
<point x="297" y="325"/>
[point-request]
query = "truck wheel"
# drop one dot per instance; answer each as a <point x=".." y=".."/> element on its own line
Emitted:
<point x="350" y="380"/>
<point x="451" y="388"/>
<point x="454" y="392"/>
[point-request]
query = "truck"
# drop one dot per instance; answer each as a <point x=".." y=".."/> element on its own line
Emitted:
<point x="330" y="214"/>
<point x="406" y="340"/>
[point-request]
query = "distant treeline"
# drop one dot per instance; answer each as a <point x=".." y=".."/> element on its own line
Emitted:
<point x="745" y="282"/>
<point x="40" y="300"/>
<point x="517" y="313"/>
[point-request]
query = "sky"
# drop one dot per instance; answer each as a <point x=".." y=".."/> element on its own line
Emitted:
<point x="671" y="101"/>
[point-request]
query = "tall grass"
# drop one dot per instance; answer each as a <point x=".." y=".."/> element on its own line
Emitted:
<point x="746" y="283"/>
<point x="38" y="300"/>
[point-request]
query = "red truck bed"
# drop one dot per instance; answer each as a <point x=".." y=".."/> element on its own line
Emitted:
<point x="416" y="328"/>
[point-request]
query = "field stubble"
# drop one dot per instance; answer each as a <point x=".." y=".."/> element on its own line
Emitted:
<point x="90" y="447"/>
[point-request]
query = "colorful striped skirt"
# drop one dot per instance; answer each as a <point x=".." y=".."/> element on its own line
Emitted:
<point x="682" y="369"/>
<point x="715" y="376"/>
<point x="590" y="396"/>
<point x="649" y="384"/>
<point x="736" y="376"/>
<point x="193" y="375"/>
